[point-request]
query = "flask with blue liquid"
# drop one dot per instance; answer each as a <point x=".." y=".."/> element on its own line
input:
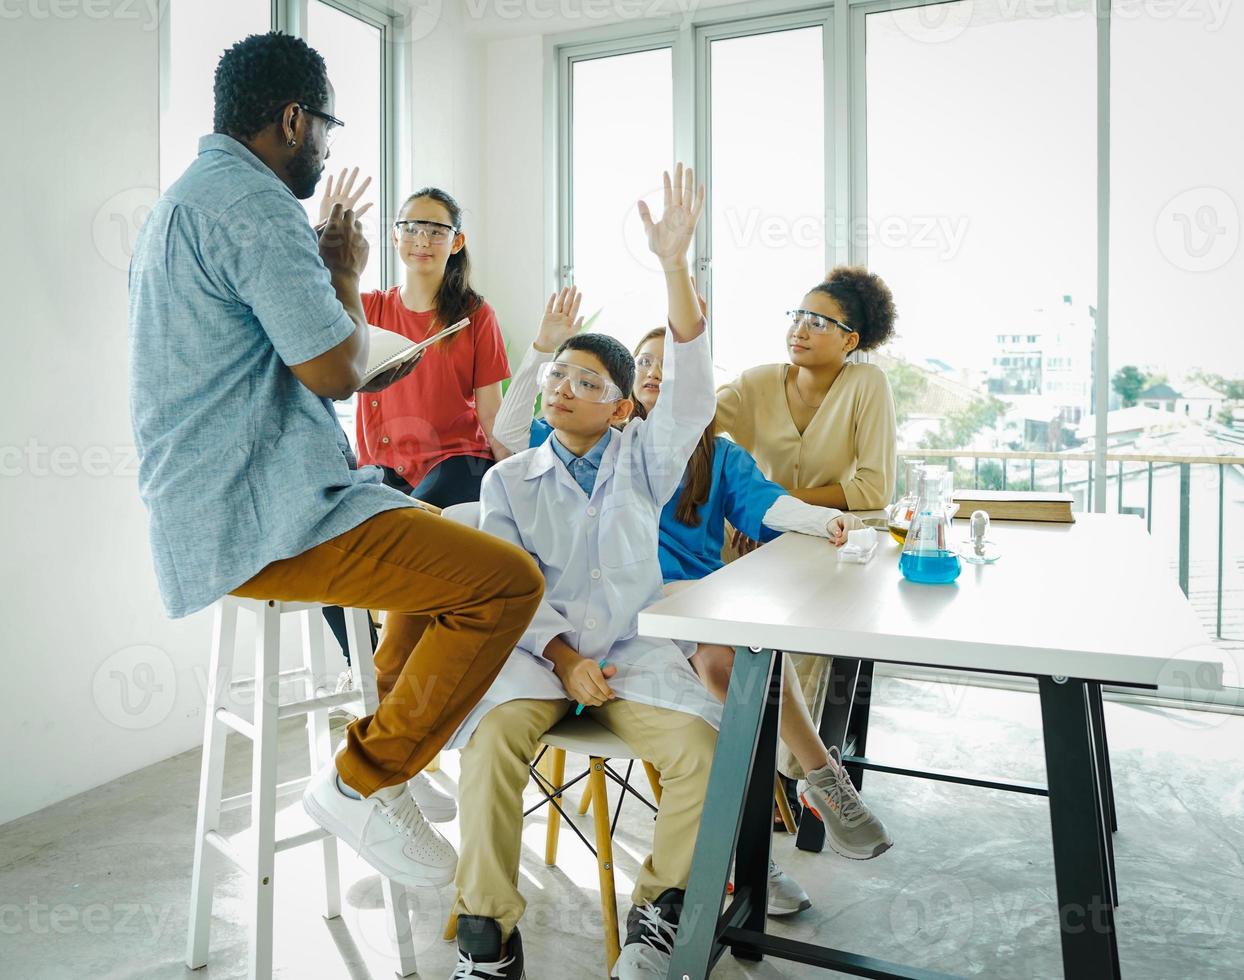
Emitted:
<point x="929" y="556"/>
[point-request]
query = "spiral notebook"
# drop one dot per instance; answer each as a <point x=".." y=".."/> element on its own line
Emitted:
<point x="389" y="349"/>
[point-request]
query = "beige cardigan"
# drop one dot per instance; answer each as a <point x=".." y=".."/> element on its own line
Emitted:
<point x="851" y="439"/>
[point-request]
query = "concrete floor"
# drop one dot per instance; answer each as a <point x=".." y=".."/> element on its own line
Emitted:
<point x="97" y="886"/>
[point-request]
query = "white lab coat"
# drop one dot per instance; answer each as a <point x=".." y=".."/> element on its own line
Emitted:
<point x="599" y="554"/>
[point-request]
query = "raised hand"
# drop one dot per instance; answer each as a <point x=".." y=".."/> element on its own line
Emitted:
<point x="561" y="320"/>
<point x="343" y="246"/>
<point x="344" y="193"/>
<point x="669" y="238"/>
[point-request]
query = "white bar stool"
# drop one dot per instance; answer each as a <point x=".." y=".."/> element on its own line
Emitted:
<point x="259" y="857"/>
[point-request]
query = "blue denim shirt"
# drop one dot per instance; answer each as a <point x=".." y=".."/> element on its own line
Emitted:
<point x="240" y="465"/>
<point x="583" y="468"/>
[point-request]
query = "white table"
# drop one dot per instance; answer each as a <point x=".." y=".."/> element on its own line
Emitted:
<point x="1074" y="606"/>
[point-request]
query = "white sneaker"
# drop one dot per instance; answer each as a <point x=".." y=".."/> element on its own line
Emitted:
<point x="345" y="682"/>
<point x="437" y="805"/>
<point x="786" y="897"/>
<point x="650" y="933"/>
<point x="386" y="830"/>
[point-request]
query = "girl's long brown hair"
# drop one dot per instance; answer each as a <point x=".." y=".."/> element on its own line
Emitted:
<point x="699" y="475"/>
<point x="455" y="299"/>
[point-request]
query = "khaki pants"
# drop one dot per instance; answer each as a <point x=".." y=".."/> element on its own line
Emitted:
<point x="812" y="673"/>
<point x="457" y="600"/>
<point x="494" y="772"/>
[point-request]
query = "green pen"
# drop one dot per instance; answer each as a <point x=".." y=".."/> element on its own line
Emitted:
<point x="579" y="709"/>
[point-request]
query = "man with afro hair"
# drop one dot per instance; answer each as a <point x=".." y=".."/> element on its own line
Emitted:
<point x="245" y="323"/>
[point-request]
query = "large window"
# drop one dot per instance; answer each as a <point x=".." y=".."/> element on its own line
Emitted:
<point x="621" y="140"/>
<point x="353" y="50"/>
<point x="981" y="211"/>
<point x="195" y="36"/>
<point x="1177" y="291"/>
<point x="767" y="133"/>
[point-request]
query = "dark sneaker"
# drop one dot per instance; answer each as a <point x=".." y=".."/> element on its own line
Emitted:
<point x="650" y="932"/>
<point x="480" y="954"/>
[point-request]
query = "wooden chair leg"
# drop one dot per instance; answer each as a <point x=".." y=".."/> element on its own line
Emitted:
<point x="585" y="804"/>
<point x="604" y="860"/>
<point x="783" y="805"/>
<point x="556" y="776"/>
<point x="654" y="781"/>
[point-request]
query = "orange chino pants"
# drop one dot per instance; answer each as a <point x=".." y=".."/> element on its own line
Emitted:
<point x="456" y="602"/>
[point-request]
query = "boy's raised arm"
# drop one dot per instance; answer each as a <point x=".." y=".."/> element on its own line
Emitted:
<point x="561" y="320"/>
<point x="668" y="240"/>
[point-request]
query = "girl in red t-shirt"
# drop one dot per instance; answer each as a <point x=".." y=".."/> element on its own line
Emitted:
<point x="432" y="431"/>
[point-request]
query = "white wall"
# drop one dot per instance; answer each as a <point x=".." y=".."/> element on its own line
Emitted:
<point x="517" y="272"/>
<point x="82" y="615"/>
<point x="441" y="145"/>
<point x="98" y="682"/>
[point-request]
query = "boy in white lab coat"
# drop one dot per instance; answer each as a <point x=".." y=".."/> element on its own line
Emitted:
<point x="586" y="505"/>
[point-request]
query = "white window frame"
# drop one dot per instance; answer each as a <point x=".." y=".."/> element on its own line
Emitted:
<point x="846" y="143"/>
<point x="567" y="57"/>
<point x="705" y="35"/>
<point x="291" y="16"/>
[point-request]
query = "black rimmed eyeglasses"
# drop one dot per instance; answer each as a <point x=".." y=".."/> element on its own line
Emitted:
<point x="332" y="123"/>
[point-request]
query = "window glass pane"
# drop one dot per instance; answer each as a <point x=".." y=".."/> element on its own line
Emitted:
<point x="198" y="34"/>
<point x="622" y="138"/>
<point x="351" y="49"/>
<point x="981" y="124"/>
<point x="1177" y="285"/>
<point x="768" y="190"/>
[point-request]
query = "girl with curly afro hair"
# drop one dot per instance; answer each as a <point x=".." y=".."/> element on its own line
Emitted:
<point x="822" y="425"/>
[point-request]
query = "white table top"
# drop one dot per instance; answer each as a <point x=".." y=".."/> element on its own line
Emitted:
<point x="1090" y="600"/>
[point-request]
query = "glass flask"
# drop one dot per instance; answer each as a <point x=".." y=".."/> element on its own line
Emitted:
<point x="929" y="554"/>
<point x="904" y="508"/>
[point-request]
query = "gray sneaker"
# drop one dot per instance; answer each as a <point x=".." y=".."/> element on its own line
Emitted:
<point x="850" y="827"/>
<point x="786" y="897"/>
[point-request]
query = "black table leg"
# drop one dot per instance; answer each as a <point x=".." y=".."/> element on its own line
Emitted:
<point x="844" y="673"/>
<point x="1103" y="753"/>
<point x="1085" y="901"/>
<point x="1105" y="791"/>
<point x="751" y="856"/>
<point x="856" y="740"/>
<point x="738" y="808"/>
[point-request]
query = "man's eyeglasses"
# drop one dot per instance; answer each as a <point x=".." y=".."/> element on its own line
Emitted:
<point x="584" y="382"/>
<point x="815" y="322"/>
<point x="433" y="231"/>
<point x="331" y="123"/>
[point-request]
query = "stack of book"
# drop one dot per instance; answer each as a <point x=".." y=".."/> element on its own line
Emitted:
<point x="1017" y="505"/>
